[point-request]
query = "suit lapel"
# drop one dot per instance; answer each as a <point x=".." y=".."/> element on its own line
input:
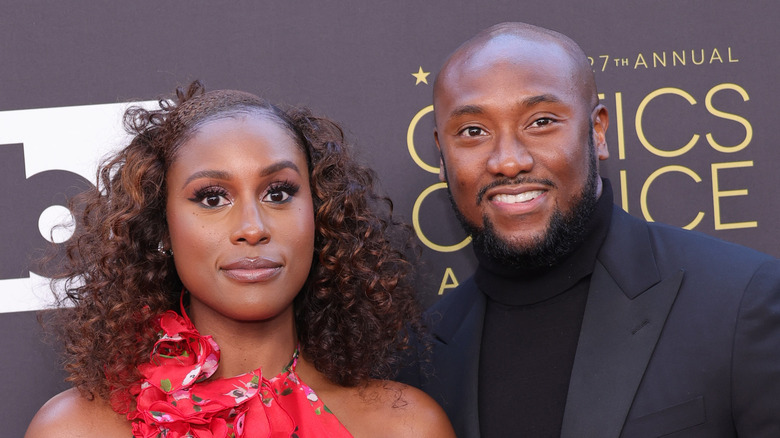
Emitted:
<point x="627" y="307"/>
<point x="454" y="380"/>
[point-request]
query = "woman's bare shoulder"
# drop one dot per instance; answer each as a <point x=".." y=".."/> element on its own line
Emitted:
<point x="399" y="410"/>
<point x="381" y="408"/>
<point x="70" y="415"/>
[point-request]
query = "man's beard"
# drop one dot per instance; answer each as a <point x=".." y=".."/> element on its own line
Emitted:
<point x="562" y="236"/>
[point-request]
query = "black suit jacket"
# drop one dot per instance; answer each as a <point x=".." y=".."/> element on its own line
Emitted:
<point x="680" y="338"/>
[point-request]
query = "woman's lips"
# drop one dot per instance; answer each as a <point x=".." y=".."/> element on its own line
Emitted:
<point x="251" y="270"/>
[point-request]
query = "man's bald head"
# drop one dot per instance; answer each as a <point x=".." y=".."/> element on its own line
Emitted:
<point x="520" y="133"/>
<point x="524" y="44"/>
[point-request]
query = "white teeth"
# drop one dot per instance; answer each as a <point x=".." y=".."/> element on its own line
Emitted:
<point x="520" y="197"/>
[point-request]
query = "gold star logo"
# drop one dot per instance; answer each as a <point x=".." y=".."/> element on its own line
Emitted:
<point x="421" y="76"/>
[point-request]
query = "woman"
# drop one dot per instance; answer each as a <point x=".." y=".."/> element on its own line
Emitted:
<point x="228" y="241"/>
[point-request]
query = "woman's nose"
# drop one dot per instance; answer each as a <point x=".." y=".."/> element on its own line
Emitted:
<point x="249" y="225"/>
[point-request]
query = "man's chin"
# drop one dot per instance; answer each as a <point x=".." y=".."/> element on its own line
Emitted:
<point x="517" y="243"/>
<point x="517" y="246"/>
<point x="528" y="250"/>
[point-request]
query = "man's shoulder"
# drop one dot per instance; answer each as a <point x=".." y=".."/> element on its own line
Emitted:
<point x="672" y="243"/>
<point x="695" y="245"/>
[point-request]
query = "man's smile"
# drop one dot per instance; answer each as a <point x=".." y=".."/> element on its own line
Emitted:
<point x="507" y="198"/>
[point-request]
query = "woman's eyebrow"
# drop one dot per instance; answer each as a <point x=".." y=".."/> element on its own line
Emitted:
<point x="273" y="168"/>
<point x="212" y="174"/>
<point x="223" y="175"/>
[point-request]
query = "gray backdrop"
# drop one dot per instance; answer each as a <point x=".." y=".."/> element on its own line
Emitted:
<point x="690" y="85"/>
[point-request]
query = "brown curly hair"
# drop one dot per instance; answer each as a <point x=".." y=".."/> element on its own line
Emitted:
<point x="353" y="316"/>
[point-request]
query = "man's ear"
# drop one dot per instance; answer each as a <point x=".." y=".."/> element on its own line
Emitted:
<point x="442" y="175"/>
<point x="600" y="119"/>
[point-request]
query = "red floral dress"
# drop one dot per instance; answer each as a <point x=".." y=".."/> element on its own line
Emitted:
<point x="177" y="400"/>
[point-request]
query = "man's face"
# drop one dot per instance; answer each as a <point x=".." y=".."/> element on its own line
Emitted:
<point x="513" y="126"/>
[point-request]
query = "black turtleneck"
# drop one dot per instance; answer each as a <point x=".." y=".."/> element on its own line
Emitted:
<point x="532" y="325"/>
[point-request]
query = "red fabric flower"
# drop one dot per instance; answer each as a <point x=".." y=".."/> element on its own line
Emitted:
<point x="176" y="399"/>
<point x="181" y="356"/>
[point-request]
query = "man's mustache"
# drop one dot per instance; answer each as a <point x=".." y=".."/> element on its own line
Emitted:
<point x="510" y="182"/>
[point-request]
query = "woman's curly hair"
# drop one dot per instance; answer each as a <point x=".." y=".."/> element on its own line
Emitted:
<point x="354" y="315"/>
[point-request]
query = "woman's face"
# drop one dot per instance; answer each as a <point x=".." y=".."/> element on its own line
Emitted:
<point x="241" y="219"/>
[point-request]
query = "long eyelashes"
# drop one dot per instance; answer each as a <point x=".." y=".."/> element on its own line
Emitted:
<point x="281" y="191"/>
<point x="212" y="196"/>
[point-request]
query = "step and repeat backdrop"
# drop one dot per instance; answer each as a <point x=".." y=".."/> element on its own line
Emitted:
<point x="691" y="87"/>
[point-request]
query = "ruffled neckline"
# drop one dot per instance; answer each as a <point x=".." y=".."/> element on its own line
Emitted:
<point x="177" y="399"/>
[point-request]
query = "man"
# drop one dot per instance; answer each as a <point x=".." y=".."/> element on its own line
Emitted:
<point x="582" y="321"/>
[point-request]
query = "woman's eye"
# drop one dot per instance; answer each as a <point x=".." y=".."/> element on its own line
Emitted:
<point x="214" y="200"/>
<point x="281" y="193"/>
<point x="211" y="197"/>
<point x="276" y="196"/>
